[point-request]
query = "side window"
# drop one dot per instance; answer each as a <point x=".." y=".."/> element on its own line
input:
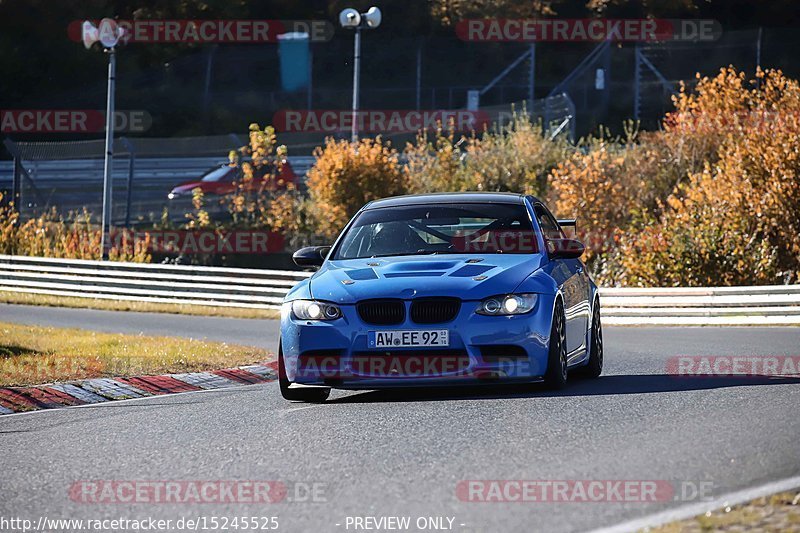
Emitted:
<point x="548" y="224"/>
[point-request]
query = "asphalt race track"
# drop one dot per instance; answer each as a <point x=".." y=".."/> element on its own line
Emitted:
<point x="250" y="332"/>
<point x="382" y="454"/>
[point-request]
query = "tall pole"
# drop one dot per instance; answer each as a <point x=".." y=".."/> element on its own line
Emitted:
<point x="356" y="69"/>
<point x="637" y="74"/>
<point x="419" y="73"/>
<point x="532" y="77"/>
<point x="105" y="242"/>
<point x="758" y="49"/>
<point x="16" y="188"/>
<point x="207" y="86"/>
<point x="309" y="96"/>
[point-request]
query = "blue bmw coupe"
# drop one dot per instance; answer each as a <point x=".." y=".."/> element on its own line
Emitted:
<point x="441" y="289"/>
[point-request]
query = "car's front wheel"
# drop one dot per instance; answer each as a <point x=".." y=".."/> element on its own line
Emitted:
<point x="310" y="394"/>
<point x="556" y="375"/>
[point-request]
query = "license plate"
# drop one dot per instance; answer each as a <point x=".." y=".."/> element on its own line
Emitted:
<point x="408" y="338"/>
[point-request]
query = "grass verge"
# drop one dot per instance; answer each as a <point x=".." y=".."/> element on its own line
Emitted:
<point x="9" y="297"/>
<point x="31" y="355"/>
<point x="778" y="512"/>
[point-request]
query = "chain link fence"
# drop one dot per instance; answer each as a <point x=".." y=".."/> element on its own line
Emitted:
<point x="68" y="175"/>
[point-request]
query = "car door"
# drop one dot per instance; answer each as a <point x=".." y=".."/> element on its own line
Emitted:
<point x="569" y="275"/>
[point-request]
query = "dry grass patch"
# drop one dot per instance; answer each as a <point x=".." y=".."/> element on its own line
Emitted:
<point x="32" y="355"/>
<point x="776" y="513"/>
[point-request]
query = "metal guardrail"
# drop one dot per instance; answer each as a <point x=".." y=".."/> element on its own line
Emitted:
<point x="265" y="289"/>
<point x="164" y="170"/>
<point x="147" y="282"/>
<point x="757" y="305"/>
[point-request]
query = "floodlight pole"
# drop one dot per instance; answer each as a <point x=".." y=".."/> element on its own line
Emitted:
<point x="105" y="241"/>
<point x="351" y="19"/>
<point x="356" y="75"/>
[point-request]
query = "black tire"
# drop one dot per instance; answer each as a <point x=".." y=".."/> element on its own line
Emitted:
<point x="556" y="375"/>
<point x="594" y="367"/>
<point x="310" y="394"/>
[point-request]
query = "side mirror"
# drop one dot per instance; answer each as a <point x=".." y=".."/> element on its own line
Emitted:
<point x="311" y="256"/>
<point x="565" y="248"/>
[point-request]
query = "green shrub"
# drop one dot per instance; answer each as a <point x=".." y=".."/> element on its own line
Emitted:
<point x="515" y="157"/>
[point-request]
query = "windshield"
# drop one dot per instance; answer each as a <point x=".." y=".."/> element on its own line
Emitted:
<point x="438" y="229"/>
<point x="218" y="174"/>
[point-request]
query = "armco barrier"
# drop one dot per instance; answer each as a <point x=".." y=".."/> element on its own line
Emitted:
<point x="759" y="305"/>
<point x="264" y="289"/>
<point x="147" y="282"/>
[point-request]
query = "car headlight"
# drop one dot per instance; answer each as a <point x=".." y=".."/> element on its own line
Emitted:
<point x="507" y="304"/>
<point x="313" y="310"/>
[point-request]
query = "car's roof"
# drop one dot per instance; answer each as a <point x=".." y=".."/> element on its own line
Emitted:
<point x="449" y="198"/>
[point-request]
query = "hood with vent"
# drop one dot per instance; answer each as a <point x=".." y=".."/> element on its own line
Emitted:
<point x="468" y="276"/>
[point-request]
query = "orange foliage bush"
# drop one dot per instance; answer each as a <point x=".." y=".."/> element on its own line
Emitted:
<point x="736" y="221"/>
<point x="346" y="176"/>
<point x="710" y="199"/>
<point x="614" y="185"/>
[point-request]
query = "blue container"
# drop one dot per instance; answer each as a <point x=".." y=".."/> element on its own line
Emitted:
<point x="295" y="57"/>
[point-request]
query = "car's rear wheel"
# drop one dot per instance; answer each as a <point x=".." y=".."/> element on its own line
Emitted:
<point x="310" y="394"/>
<point x="556" y="375"/>
<point x="594" y="367"/>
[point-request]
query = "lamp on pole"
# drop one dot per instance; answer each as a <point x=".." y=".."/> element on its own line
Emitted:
<point x="351" y="19"/>
<point x="109" y="34"/>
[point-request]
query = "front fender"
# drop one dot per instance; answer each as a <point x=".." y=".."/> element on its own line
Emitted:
<point x="301" y="291"/>
<point x="539" y="282"/>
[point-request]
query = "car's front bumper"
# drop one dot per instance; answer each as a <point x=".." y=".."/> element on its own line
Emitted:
<point x="336" y="353"/>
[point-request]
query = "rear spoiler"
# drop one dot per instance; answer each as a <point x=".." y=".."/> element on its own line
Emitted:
<point x="568" y="222"/>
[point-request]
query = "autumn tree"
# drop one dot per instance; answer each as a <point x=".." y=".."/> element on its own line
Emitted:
<point x="346" y="176"/>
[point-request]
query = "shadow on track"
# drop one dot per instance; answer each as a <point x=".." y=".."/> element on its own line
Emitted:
<point x="603" y="386"/>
